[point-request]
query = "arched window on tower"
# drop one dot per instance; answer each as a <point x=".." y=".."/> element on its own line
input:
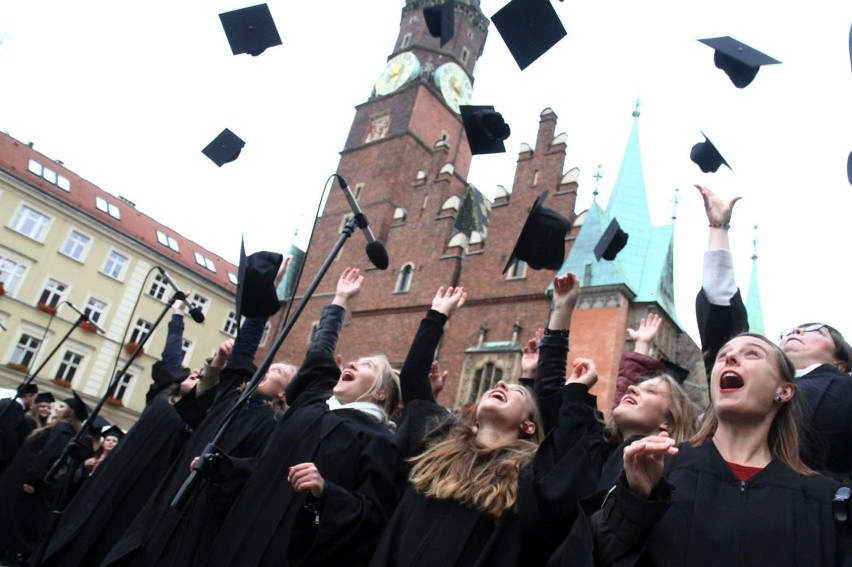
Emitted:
<point x="484" y="379"/>
<point x="403" y="280"/>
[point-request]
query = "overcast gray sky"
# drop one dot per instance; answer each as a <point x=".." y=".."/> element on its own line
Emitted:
<point x="127" y="96"/>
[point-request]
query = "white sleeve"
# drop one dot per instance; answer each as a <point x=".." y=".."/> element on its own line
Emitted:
<point x="718" y="282"/>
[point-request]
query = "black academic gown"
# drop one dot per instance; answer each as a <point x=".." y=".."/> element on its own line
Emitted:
<point x="711" y="518"/>
<point x="111" y="498"/>
<point x="14" y="428"/>
<point x="23" y="516"/>
<point x="270" y="524"/>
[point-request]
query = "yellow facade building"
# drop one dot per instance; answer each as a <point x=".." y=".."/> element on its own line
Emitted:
<point x="65" y="242"/>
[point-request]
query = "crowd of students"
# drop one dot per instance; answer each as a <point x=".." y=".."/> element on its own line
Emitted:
<point x="353" y="463"/>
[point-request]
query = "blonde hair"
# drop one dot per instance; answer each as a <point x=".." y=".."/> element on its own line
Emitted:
<point x="783" y="438"/>
<point x="681" y="415"/>
<point x="457" y="467"/>
<point x="387" y="382"/>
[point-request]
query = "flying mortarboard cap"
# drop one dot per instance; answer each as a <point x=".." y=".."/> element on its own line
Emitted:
<point x="256" y="292"/>
<point x="529" y="28"/>
<point x="706" y="156"/>
<point x="25" y="389"/>
<point x="77" y="405"/>
<point x="849" y="168"/>
<point x="44" y="398"/>
<point x="250" y="30"/>
<point x="224" y="148"/>
<point x="440" y="20"/>
<point x="541" y="243"/>
<point x="485" y="129"/>
<point x="739" y="61"/>
<point x="611" y="243"/>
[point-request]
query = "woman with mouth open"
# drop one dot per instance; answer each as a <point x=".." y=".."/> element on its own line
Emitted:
<point x="737" y="493"/>
<point x="469" y="501"/>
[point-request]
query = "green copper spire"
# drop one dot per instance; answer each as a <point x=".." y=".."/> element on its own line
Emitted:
<point x="755" y="311"/>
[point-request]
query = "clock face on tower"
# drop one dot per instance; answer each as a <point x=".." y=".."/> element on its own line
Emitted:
<point x="398" y="71"/>
<point x="454" y="84"/>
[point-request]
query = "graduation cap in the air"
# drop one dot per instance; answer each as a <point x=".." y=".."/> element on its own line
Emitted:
<point x="849" y="168"/>
<point x="224" y="148"/>
<point x="440" y="20"/>
<point x="611" y="243"/>
<point x="541" y="243"/>
<point x="256" y="293"/>
<point x="44" y="398"/>
<point x="485" y="129"/>
<point x="529" y="28"/>
<point x="112" y="431"/>
<point x="706" y="156"/>
<point x="739" y="61"/>
<point x="250" y="30"/>
<point x="77" y="405"/>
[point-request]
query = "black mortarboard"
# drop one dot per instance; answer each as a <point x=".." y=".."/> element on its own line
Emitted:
<point x="224" y="148"/>
<point x="739" y="61"/>
<point x="849" y="168"/>
<point x="611" y="243"/>
<point x="77" y="406"/>
<point x="99" y="422"/>
<point x="706" y="156"/>
<point x="25" y="389"/>
<point x="112" y="431"/>
<point x="440" y="20"/>
<point x="44" y="398"/>
<point x="256" y="293"/>
<point x="250" y="30"/>
<point x="529" y="28"/>
<point x="541" y="243"/>
<point x="485" y="129"/>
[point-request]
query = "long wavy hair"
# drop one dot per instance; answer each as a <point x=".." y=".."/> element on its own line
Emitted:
<point x="784" y="432"/>
<point x="387" y="382"/>
<point x="457" y="467"/>
<point x="681" y="415"/>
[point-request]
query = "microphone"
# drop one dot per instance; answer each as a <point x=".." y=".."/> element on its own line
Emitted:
<point x="375" y="249"/>
<point x="85" y="316"/>
<point x="194" y="311"/>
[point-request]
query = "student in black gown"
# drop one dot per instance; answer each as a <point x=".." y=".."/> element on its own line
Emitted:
<point x="466" y="503"/>
<point x="15" y="423"/>
<point x="743" y="494"/>
<point x="326" y="482"/>
<point x="25" y="497"/>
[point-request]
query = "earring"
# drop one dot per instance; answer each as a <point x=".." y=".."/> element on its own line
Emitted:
<point x="778" y="398"/>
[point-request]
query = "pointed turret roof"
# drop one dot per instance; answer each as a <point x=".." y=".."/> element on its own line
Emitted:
<point x="645" y="265"/>
<point x="753" y="306"/>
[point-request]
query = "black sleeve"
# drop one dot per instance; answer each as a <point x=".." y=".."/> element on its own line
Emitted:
<point x="550" y="377"/>
<point x="319" y="369"/>
<point x="414" y="377"/>
<point x="717" y="324"/>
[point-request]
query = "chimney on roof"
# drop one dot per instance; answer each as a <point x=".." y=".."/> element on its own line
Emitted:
<point x="29" y="144"/>
<point x="127" y="201"/>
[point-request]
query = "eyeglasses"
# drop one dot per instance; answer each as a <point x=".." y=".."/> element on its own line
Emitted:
<point x="809" y="328"/>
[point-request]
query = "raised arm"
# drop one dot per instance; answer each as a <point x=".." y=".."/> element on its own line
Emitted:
<point x="635" y="365"/>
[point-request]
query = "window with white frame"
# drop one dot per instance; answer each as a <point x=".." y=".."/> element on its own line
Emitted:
<point x="122" y="385"/>
<point x="201" y="302"/>
<point x="406" y="41"/>
<point x="140" y="330"/>
<point x="185" y="351"/>
<point x="231" y="325"/>
<point x="484" y="379"/>
<point x="203" y="260"/>
<point x="465" y="54"/>
<point x="75" y="246"/>
<point x="52" y="293"/>
<point x="95" y="309"/>
<point x="403" y="280"/>
<point x="114" y="266"/>
<point x="49" y="175"/>
<point x="25" y="350"/>
<point x="30" y="223"/>
<point x="159" y="287"/>
<point x="517" y="270"/>
<point x="167" y="240"/>
<point x="108" y="208"/>
<point x="71" y="362"/>
<point x="11" y="274"/>
<point x="233" y="278"/>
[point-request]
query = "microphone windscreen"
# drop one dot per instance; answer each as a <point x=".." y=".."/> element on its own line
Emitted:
<point x="378" y="255"/>
<point x="197" y="314"/>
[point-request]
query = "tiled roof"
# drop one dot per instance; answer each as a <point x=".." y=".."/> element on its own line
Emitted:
<point x="15" y="157"/>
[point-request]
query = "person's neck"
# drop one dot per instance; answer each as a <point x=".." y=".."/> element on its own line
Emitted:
<point x="494" y="437"/>
<point x="744" y="445"/>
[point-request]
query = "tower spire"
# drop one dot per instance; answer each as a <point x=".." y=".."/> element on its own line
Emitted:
<point x="675" y="203"/>
<point x="753" y="305"/>
<point x="598" y="176"/>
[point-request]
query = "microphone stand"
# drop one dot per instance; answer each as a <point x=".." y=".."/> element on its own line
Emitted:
<point x="77" y="450"/>
<point x="30" y="377"/>
<point x="212" y="453"/>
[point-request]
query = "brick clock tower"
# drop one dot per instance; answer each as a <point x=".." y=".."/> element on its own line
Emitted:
<point x="406" y="159"/>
